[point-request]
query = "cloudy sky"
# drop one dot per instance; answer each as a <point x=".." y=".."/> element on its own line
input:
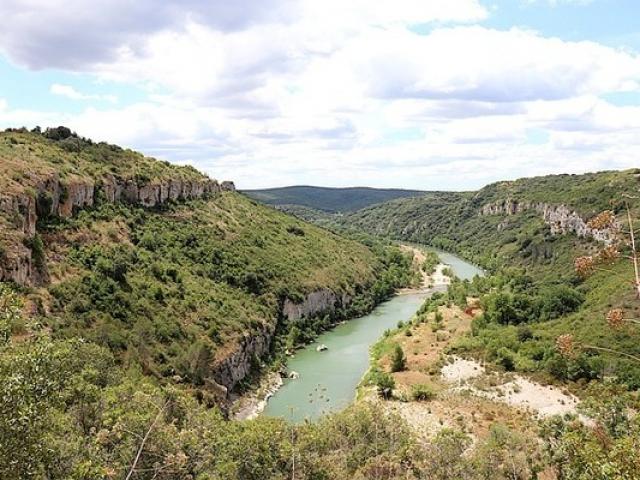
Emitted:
<point x="429" y="94"/>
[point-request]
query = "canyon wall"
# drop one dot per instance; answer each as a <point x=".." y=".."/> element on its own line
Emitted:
<point x="52" y="197"/>
<point x="315" y="303"/>
<point x="234" y="365"/>
<point x="560" y="218"/>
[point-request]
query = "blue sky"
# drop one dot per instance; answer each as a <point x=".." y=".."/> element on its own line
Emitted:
<point x="446" y="94"/>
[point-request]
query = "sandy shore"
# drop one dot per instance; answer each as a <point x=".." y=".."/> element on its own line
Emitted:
<point x="435" y="281"/>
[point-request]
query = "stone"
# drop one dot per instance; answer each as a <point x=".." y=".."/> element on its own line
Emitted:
<point x="560" y="218"/>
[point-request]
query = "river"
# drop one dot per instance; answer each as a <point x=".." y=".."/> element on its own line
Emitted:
<point x="327" y="380"/>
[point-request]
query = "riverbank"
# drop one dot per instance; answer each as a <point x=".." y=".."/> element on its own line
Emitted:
<point x="436" y="280"/>
<point x="328" y="380"/>
<point x="460" y="393"/>
<point x="251" y="404"/>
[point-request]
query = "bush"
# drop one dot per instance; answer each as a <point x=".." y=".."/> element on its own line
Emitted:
<point x="506" y="358"/>
<point x="398" y="360"/>
<point x="58" y="133"/>
<point x="384" y="383"/>
<point x="422" y="392"/>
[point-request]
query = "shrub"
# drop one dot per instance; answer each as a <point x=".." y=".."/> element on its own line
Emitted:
<point x="384" y="383"/>
<point x="398" y="360"/>
<point x="422" y="392"/>
<point x="506" y="358"/>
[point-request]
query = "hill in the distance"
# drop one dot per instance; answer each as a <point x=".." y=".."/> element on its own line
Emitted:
<point x="329" y="199"/>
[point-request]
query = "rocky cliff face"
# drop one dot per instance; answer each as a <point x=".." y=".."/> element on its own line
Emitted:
<point x="232" y="367"/>
<point x="316" y="303"/>
<point x="53" y="197"/>
<point x="157" y="193"/>
<point x="560" y="218"/>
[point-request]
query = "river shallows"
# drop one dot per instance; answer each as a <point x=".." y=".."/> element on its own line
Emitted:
<point x="328" y="380"/>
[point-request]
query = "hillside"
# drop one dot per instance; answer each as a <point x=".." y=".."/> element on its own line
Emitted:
<point x="331" y="200"/>
<point x="528" y="233"/>
<point x="172" y="271"/>
<point x="517" y="221"/>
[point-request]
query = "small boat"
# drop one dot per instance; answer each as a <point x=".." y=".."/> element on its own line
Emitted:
<point x="322" y="348"/>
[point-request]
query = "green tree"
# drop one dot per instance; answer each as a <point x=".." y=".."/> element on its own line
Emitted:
<point x="398" y="359"/>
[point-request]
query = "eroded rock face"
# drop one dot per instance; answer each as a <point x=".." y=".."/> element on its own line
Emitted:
<point x="20" y="210"/>
<point x="233" y="367"/>
<point x="314" y="303"/>
<point x="153" y="194"/>
<point x="560" y="218"/>
<point x="16" y="265"/>
<point x="53" y="197"/>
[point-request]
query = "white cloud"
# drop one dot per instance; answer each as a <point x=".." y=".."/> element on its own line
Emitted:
<point x="343" y="92"/>
<point x="69" y="92"/>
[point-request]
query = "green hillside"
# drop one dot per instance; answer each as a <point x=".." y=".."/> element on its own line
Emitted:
<point x="454" y="221"/>
<point x="534" y="293"/>
<point x="328" y="199"/>
<point x="172" y="271"/>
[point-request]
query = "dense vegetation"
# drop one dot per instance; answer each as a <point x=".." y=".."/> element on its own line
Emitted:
<point x="452" y="221"/>
<point x="173" y="288"/>
<point x="328" y="199"/>
<point x="535" y="294"/>
<point x="68" y="411"/>
<point x="177" y="289"/>
<point x="106" y="370"/>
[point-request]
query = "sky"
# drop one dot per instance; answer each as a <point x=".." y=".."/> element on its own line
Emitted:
<point x="424" y="94"/>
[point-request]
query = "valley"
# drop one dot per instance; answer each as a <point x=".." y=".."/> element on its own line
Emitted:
<point x="474" y="335"/>
<point x="326" y="380"/>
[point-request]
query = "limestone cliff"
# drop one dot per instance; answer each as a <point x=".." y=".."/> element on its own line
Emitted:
<point x="235" y="363"/>
<point x="49" y="196"/>
<point x="561" y="218"/>
<point x="315" y="303"/>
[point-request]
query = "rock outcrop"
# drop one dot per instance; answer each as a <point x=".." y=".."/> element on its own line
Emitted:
<point x="157" y="193"/>
<point x="52" y="197"/>
<point x="560" y="218"/>
<point x="235" y="365"/>
<point x="16" y="265"/>
<point x="315" y="303"/>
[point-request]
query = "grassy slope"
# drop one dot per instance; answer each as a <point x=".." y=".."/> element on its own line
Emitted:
<point x="27" y="157"/>
<point x="329" y="199"/>
<point x="523" y="241"/>
<point x="173" y="287"/>
<point x="451" y="220"/>
<point x="202" y="273"/>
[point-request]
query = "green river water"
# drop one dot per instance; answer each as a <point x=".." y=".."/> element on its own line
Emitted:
<point x="328" y="379"/>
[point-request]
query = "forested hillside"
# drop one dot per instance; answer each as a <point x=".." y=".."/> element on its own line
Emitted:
<point x="332" y="200"/>
<point x="174" y="272"/>
<point x="521" y="222"/>
<point x="529" y="234"/>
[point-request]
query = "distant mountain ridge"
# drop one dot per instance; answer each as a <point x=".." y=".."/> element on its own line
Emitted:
<point x="328" y="199"/>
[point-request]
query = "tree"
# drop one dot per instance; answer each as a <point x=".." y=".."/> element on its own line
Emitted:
<point x="398" y="360"/>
